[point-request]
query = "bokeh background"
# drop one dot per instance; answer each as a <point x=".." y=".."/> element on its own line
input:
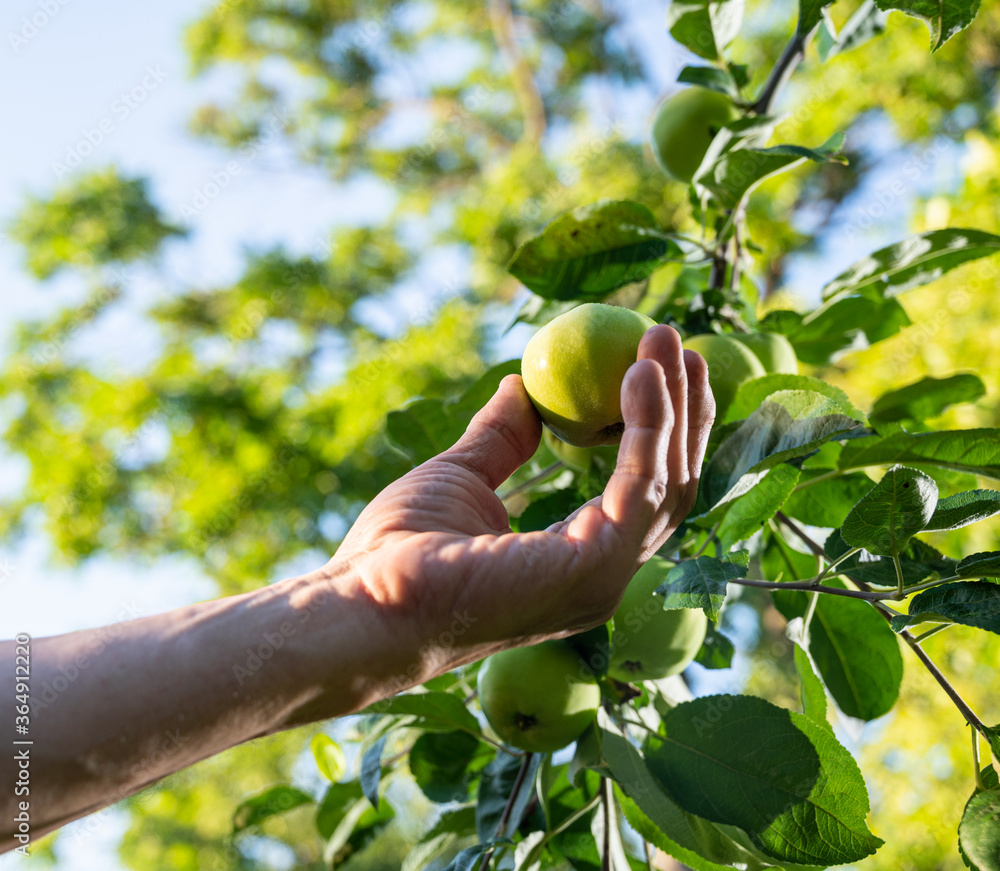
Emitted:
<point x="235" y="236"/>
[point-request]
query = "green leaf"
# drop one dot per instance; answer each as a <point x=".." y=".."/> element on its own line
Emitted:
<point x="440" y="763"/>
<point x="964" y="508"/>
<point x="752" y="394"/>
<point x="495" y="788"/>
<point x="913" y="262"/>
<point x="697" y="843"/>
<point x="329" y="757"/>
<point x="789" y="425"/>
<point x="592" y="251"/>
<point x="716" y="650"/>
<point x="980" y="565"/>
<point x="702" y="582"/>
<point x="777" y="775"/>
<point x="705" y="27"/>
<point x="371" y="770"/>
<point x="550" y="508"/>
<point x="867" y="22"/>
<point x="745" y="515"/>
<point x="810" y="688"/>
<point x="827" y="502"/>
<point x="856" y="653"/>
<point x="926" y="398"/>
<point x="979" y="831"/>
<point x="451" y="827"/>
<point x="426" y="427"/>
<point x="471" y="857"/>
<point x="270" y="803"/>
<point x="969" y="450"/>
<point x="731" y="175"/>
<point x="944" y="18"/>
<point x="918" y="561"/>
<point x="970" y="603"/>
<point x="712" y="78"/>
<point x="432" y="712"/>
<point x="357" y="828"/>
<point x="896" y="508"/>
<point x="810" y="14"/>
<point x="835" y="325"/>
<point x="337" y="802"/>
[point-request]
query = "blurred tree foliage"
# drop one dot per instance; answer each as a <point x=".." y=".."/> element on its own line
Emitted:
<point x="484" y="122"/>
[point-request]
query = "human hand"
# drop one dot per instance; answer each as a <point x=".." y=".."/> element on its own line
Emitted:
<point x="435" y="553"/>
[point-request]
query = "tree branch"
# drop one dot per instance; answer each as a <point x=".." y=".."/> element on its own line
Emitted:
<point x="528" y="95"/>
<point x="790" y="58"/>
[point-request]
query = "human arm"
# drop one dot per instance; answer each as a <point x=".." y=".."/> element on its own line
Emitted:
<point x="430" y="577"/>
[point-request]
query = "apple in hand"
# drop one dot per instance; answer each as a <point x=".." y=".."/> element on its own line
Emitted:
<point x="648" y="643"/>
<point x="730" y="364"/>
<point x="684" y="126"/>
<point x="773" y="350"/>
<point x="538" y="698"/>
<point x="573" y="369"/>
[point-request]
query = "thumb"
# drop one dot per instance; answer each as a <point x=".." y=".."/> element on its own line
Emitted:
<point x="501" y="437"/>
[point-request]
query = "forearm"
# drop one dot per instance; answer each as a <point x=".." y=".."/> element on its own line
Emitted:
<point x="115" y="710"/>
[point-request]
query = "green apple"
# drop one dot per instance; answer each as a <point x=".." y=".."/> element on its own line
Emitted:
<point x="573" y="369"/>
<point x="538" y="698"/>
<point x="580" y="459"/>
<point x="730" y="364"/>
<point x="773" y="350"/>
<point x="648" y="643"/>
<point x="684" y="126"/>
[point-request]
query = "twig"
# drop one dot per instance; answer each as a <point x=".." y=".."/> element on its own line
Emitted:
<point x="790" y="58"/>
<point x="507" y="808"/>
<point x="806" y="540"/>
<point x="813" y="587"/>
<point x="939" y="628"/>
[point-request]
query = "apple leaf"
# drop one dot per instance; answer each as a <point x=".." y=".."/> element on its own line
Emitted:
<point x="779" y="776"/>
<point x="713" y="78"/>
<point x="716" y="650"/>
<point x="980" y="565"/>
<point x="471" y="858"/>
<point x="969" y="603"/>
<point x="349" y="826"/>
<point x="788" y="425"/>
<point x="729" y="176"/>
<point x="944" y="18"/>
<point x="810" y="688"/>
<point x="827" y="502"/>
<point x="496" y="787"/>
<point x="979" y="832"/>
<point x="442" y="764"/>
<point x="810" y="14"/>
<point x="329" y="757"/>
<point x="705" y="27"/>
<point x="745" y="515"/>
<point x="969" y="450"/>
<point x="752" y="394"/>
<point x="856" y="653"/>
<point x="271" y="802"/>
<point x="964" y="508"/>
<point x="918" y="561"/>
<point x="926" y="398"/>
<point x="897" y="508"/>
<point x="432" y="712"/>
<point x="913" y="262"/>
<point x="867" y="22"/>
<point x="834" y="326"/>
<point x="426" y="427"/>
<point x="593" y="250"/>
<point x="698" y="843"/>
<point x="702" y="582"/>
